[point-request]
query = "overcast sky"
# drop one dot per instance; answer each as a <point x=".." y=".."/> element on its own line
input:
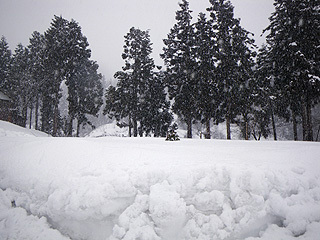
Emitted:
<point x="105" y="22"/>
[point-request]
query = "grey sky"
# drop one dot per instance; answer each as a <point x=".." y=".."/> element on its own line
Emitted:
<point x="105" y="22"/>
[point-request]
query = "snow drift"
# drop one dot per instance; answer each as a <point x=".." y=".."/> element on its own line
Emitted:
<point x="146" y="188"/>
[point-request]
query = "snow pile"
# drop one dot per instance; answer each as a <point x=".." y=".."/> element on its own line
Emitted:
<point x="10" y="130"/>
<point x="110" y="129"/>
<point x="146" y="188"/>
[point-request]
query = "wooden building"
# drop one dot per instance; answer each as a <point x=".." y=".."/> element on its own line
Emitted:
<point x="5" y="108"/>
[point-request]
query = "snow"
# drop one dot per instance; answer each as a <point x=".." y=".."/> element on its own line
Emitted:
<point x="147" y="188"/>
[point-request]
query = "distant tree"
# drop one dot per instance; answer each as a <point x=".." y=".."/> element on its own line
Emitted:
<point x="263" y="97"/>
<point x="66" y="50"/>
<point x="36" y="49"/>
<point x="180" y="62"/>
<point x="208" y="98"/>
<point x="139" y="95"/>
<point x="235" y="60"/>
<point x="155" y="116"/>
<point x="294" y="51"/>
<point x="20" y="83"/>
<point x="56" y="51"/>
<point x="87" y="94"/>
<point x="5" y="62"/>
<point x="77" y="60"/>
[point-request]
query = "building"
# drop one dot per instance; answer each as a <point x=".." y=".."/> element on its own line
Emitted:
<point x="5" y="108"/>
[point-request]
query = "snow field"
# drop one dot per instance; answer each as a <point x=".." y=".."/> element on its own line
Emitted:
<point x="145" y="188"/>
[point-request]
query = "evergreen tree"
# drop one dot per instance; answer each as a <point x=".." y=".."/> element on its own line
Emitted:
<point x="77" y="60"/>
<point x="134" y="83"/>
<point x="155" y="116"/>
<point x="235" y="61"/>
<point x="56" y="51"/>
<point x="87" y="93"/>
<point x="66" y="50"/>
<point x="294" y="42"/>
<point x="180" y="62"/>
<point x="5" y="62"/>
<point x="208" y="99"/>
<point x="263" y="98"/>
<point x="36" y="49"/>
<point x="21" y="84"/>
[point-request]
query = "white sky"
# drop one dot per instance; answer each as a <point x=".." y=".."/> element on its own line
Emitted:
<point x="105" y="22"/>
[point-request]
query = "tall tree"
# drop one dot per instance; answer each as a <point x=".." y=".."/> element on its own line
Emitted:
<point x="155" y="116"/>
<point x="21" y="84"/>
<point x="234" y="59"/>
<point x="56" y="43"/>
<point x="207" y="92"/>
<point x="178" y="55"/>
<point x="87" y="94"/>
<point x="294" y="41"/>
<point x="137" y="70"/>
<point x="66" y="50"/>
<point x="36" y="48"/>
<point x="5" y="62"/>
<point x="77" y="60"/>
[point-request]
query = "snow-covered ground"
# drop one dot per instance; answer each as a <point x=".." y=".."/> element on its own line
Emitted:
<point x="146" y="188"/>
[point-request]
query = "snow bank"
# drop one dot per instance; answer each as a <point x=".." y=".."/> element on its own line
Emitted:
<point x="10" y="130"/>
<point x="145" y="188"/>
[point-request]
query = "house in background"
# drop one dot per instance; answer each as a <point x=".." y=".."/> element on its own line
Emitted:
<point x="5" y="108"/>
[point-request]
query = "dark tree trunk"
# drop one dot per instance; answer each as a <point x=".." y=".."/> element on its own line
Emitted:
<point x="70" y="126"/>
<point x="135" y="126"/>
<point x="189" y="127"/>
<point x="304" y="121"/>
<point x="309" y="122"/>
<point x="228" y="126"/>
<point x="208" y="133"/>
<point x="295" y="127"/>
<point x="274" y="127"/>
<point x="30" y="117"/>
<point x="130" y="125"/>
<point x="55" y="116"/>
<point x="78" y="128"/>
<point x="37" y="112"/>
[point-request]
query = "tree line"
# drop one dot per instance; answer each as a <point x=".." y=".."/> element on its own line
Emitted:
<point x="33" y="75"/>
<point x="212" y="73"/>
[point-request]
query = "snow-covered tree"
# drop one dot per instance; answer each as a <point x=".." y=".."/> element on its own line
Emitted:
<point x="234" y="62"/>
<point x="5" y="61"/>
<point x="139" y="95"/>
<point x="208" y="99"/>
<point x="66" y="50"/>
<point x="36" y="48"/>
<point x="87" y="93"/>
<point x="294" y="42"/>
<point x="180" y="62"/>
<point x="20" y="83"/>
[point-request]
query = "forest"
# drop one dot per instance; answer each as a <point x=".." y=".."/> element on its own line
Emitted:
<point x="213" y="73"/>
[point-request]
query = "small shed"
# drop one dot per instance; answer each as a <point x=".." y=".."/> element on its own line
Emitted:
<point x="5" y="108"/>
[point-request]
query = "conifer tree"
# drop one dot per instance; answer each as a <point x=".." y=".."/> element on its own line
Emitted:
<point x="5" y="62"/>
<point x="294" y="42"/>
<point x="235" y="60"/>
<point x="208" y="99"/>
<point x="20" y="83"/>
<point x="139" y="94"/>
<point x="87" y="93"/>
<point x="36" y="48"/>
<point x="66" y="49"/>
<point x="178" y="55"/>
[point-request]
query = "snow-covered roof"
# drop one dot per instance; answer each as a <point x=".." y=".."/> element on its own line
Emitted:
<point x="4" y="97"/>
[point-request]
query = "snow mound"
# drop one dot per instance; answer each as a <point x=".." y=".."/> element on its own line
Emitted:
<point x="11" y="130"/>
<point x="110" y="129"/>
<point x="145" y="188"/>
